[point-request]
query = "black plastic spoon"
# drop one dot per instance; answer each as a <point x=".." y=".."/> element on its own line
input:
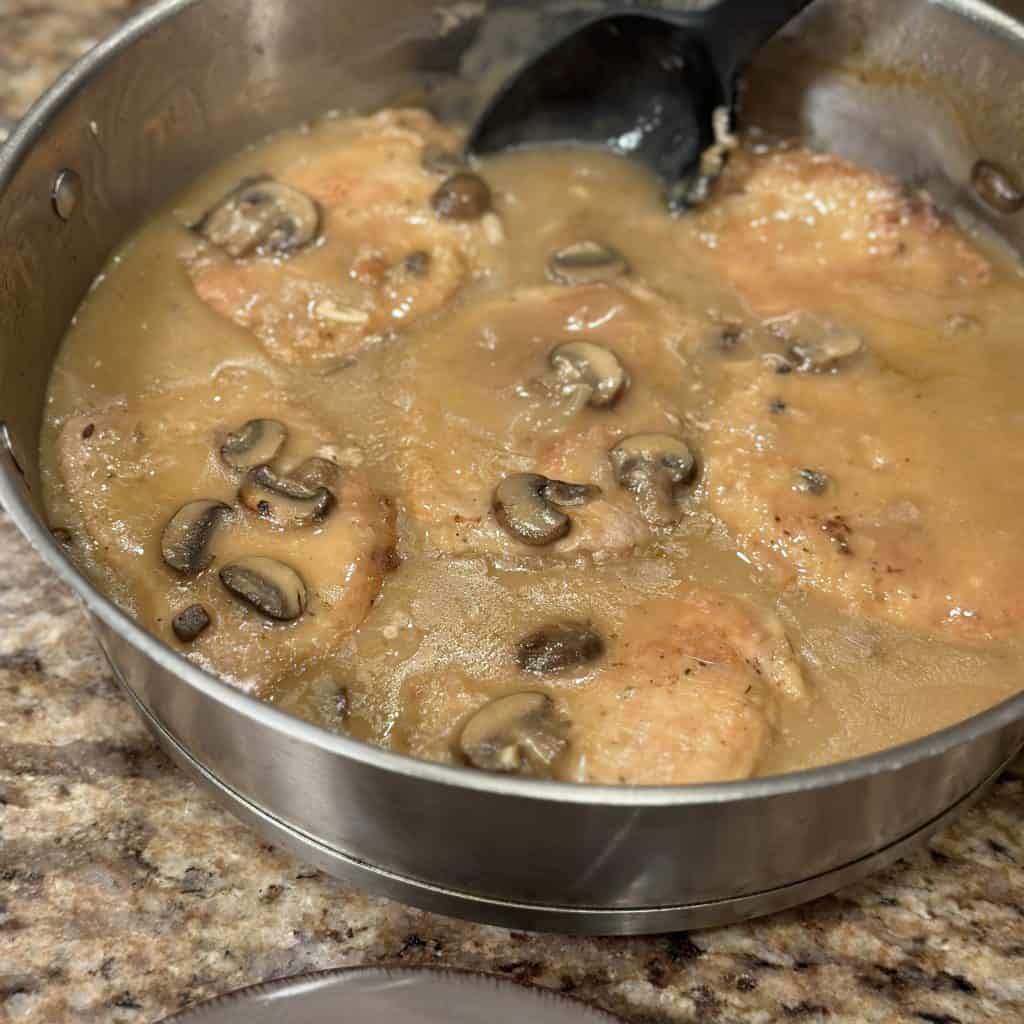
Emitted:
<point x="653" y="85"/>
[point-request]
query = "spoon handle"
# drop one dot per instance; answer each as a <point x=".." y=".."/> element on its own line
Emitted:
<point x="736" y="29"/>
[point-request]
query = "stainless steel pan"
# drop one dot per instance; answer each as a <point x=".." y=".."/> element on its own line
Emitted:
<point x="923" y="89"/>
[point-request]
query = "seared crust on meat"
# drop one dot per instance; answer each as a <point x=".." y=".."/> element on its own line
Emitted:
<point x="792" y="227"/>
<point x="689" y="693"/>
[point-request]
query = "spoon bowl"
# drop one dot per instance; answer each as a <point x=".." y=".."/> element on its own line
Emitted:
<point x="656" y="87"/>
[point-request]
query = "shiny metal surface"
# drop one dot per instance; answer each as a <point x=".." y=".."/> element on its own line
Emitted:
<point x="588" y="920"/>
<point x="920" y="88"/>
<point x="395" y="995"/>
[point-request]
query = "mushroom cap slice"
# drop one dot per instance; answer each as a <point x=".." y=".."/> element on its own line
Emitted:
<point x="996" y="188"/>
<point x="315" y="471"/>
<point x="463" y="196"/>
<point x="652" y="467"/>
<point x="520" y="734"/>
<point x="271" y="587"/>
<point x="253" y="443"/>
<point x="813" y="344"/>
<point x="586" y="262"/>
<point x="594" y="367"/>
<point x="184" y="543"/>
<point x="283" y="501"/>
<point x="567" y="495"/>
<point x="828" y="353"/>
<point x="558" y="647"/>
<point x="190" y="622"/>
<point x="526" y="506"/>
<point x="811" y="481"/>
<point x="261" y="216"/>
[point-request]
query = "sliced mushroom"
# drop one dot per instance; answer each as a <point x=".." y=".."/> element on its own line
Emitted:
<point x="253" y="443"/>
<point x="525" y="505"/>
<point x="190" y="623"/>
<point x="261" y="216"/>
<point x="271" y="587"/>
<point x="653" y="468"/>
<point x="315" y="472"/>
<point x="283" y="501"/>
<point x="810" y="481"/>
<point x="184" y="543"/>
<point x="995" y="186"/>
<point x="558" y="647"/>
<point x="567" y="495"/>
<point x="582" y="363"/>
<point x="586" y="263"/>
<point x="520" y="734"/>
<point x="436" y="159"/>
<point x="463" y="196"/>
<point x="835" y="348"/>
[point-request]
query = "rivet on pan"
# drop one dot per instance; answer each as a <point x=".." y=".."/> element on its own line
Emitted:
<point x="67" y="190"/>
<point x="996" y="188"/>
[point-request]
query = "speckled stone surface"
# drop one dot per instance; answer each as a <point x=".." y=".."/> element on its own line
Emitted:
<point x="125" y="894"/>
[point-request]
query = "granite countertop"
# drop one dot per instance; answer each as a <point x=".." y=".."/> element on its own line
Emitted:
<point x="125" y="894"/>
